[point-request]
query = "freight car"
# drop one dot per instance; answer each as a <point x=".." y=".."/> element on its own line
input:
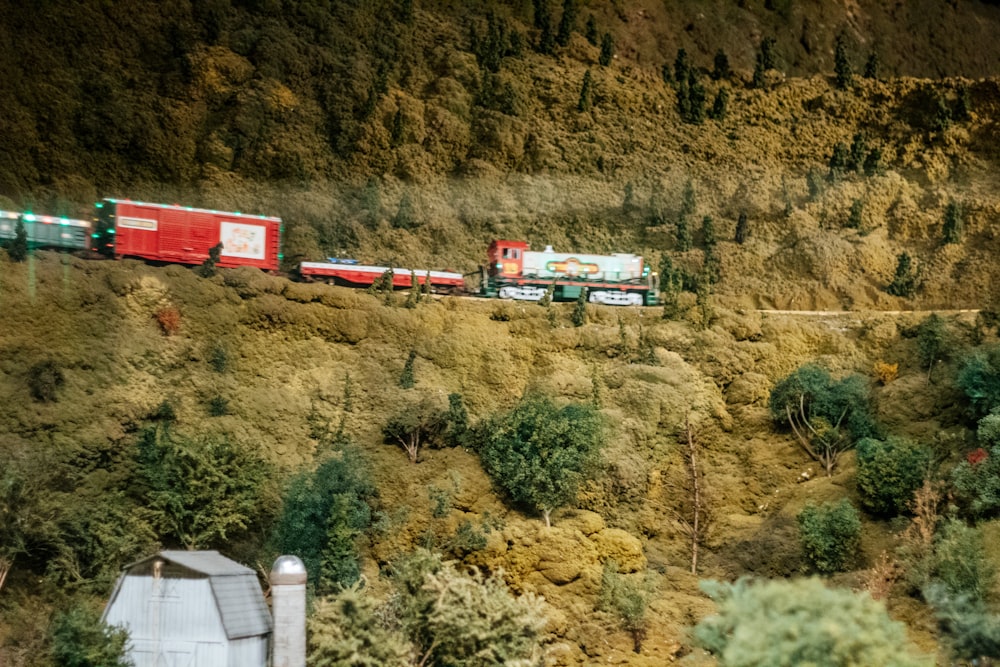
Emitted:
<point x="513" y="271"/>
<point x="183" y="235"/>
<point x="352" y="274"/>
<point x="47" y="231"/>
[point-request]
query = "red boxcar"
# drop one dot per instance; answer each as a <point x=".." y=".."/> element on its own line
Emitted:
<point x="183" y="235"/>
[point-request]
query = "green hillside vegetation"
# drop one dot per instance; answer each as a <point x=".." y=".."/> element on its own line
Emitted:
<point x="473" y="481"/>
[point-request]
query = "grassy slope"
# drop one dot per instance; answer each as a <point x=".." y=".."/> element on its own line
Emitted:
<point x="291" y="347"/>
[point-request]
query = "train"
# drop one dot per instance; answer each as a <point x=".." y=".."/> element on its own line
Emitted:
<point x="173" y="234"/>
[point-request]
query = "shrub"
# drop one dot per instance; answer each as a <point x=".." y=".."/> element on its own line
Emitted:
<point x="169" y="319"/>
<point x="628" y="600"/>
<point x="44" y="381"/>
<point x="831" y="535"/>
<point x="951" y="228"/>
<point x="81" y="639"/>
<point x="579" y="314"/>
<point x="539" y="453"/>
<point x="406" y="379"/>
<point x="346" y="629"/>
<point x="218" y="358"/>
<point x="971" y="631"/>
<point x="218" y="406"/>
<point x="889" y="472"/>
<point x="960" y="562"/>
<point x="979" y="378"/>
<point x="801" y="622"/>
<point x="415" y="425"/>
<point x="904" y="282"/>
<point x="976" y="483"/>
<point x="885" y="372"/>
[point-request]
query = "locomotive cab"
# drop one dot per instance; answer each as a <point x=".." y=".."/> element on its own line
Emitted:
<point x="506" y="259"/>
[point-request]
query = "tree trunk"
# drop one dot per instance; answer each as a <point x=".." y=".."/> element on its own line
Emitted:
<point x="695" y="495"/>
<point x="547" y="514"/>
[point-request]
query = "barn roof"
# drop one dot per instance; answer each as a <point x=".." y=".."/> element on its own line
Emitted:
<point x="235" y="587"/>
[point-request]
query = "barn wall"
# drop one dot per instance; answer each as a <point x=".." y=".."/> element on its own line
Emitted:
<point x="181" y="619"/>
<point x="248" y="652"/>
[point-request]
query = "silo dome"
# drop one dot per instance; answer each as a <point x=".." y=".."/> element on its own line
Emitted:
<point x="288" y="570"/>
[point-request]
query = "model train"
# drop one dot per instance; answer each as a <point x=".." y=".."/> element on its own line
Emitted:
<point x="183" y="235"/>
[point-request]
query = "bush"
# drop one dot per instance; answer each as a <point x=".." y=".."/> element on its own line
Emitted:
<point x="323" y="514"/>
<point x="539" y="453"/>
<point x="960" y="562"/>
<point x="44" y="380"/>
<point x="81" y="639"/>
<point x="976" y="483"/>
<point x="347" y="629"/>
<point x="889" y="472"/>
<point x="169" y="319"/>
<point x="628" y="599"/>
<point x="979" y="378"/>
<point x="831" y="535"/>
<point x="791" y="623"/>
<point x="971" y="631"/>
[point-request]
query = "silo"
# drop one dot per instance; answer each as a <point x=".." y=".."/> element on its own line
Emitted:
<point x="288" y="607"/>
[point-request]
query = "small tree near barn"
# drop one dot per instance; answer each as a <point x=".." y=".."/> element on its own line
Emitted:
<point x="540" y="453"/>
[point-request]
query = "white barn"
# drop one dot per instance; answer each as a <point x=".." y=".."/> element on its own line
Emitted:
<point x="191" y="609"/>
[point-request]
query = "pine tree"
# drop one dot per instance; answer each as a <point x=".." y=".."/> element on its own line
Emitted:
<point x="567" y="23"/>
<point x="607" y="50"/>
<point x="841" y="65"/>
<point x="696" y="99"/>
<point x="681" y="66"/>
<point x="758" y="81"/>
<point x="579" y="316"/>
<point x="207" y="269"/>
<point x="857" y="208"/>
<point x="590" y="31"/>
<point x="951" y="230"/>
<point x="404" y="218"/>
<point x="742" y="228"/>
<point x="942" y="114"/>
<point x="873" y="162"/>
<point x="586" y="93"/>
<point x="872" y="66"/>
<point x="767" y="58"/>
<point x="17" y="249"/>
<point x="721" y="69"/>
<point x="683" y="235"/>
<point x="396" y="133"/>
<point x="838" y="162"/>
<point x="628" y="204"/>
<point x="720" y="105"/>
<point x="543" y="21"/>
<point x="859" y="148"/>
<point x="963" y="108"/>
<point x="414" y="296"/>
<point x="708" y="231"/>
<point x="406" y="379"/>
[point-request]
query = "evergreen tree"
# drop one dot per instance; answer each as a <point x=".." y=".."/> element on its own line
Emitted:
<point x="951" y="229"/>
<point x="413" y="298"/>
<point x="607" y="50"/>
<point x="396" y="133"/>
<point x="708" y="231"/>
<point x="838" y="162"/>
<point x="590" y="30"/>
<point x="841" y="64"/>
<point x="696" y="99"/>
<point x="567" y="23"/>
<point x="963" y="107"/>
<point x="854" y="219"/>
<point x="681" y="66"/>
<point x="942" y="114"/>
<point x="873" y="162"/>
<point x="721" y="69"/>
<point x="742" y="228"/>
<point x="628" y="204"/>
<point x="682" y="235"/>
<point x="758" y="81"/>
<point x="579" y="315"/>
<point x="904" y="282"/>
<point x="767" y="59"/>
<point x="207" y="269"/>
<point x="872" y="66"/>
<point x="543" y="21"/>
<point x="406" y="379"/>
<point x="586" y="93"/>
<point x="405" y="217"/>
<point x="17" y="249"/>
<point x="859" y="148"/>
<point x="720" y="105"/>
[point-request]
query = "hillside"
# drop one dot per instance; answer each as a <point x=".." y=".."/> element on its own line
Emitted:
<point x="413" y="134"/>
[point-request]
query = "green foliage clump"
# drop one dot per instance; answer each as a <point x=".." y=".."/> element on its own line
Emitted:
<point x="972" y="633"/>
<point x="218" y="358"/>
<point x="720" y="105"/>
<point x="465" y="620"/>
<point x="979" y="378"/>
<point x="218" y="406"/>
<point x="721" y="69"/>
<point x="976" y="484"/>
<point x="827" y="416"/>
<point x="831" y="535"/>
<point x="207" y="268"/>
<point x="348" y="629"/>
<point x="932" y="339"/>
<point x="790" y="623"/>
<point x="960" y="562"/>
<point x="44" y="381"/>
<point x="81" y="639"/>
<point x="742" y="228"/>
<point x="857" y="209"/>
<point x="199" y="492"/>
<point x="904" y="282"/>
<point x="838" y="162"/>
<point x="323" y="513"/>
<point x="420" y="423"/>
<point x="628" y="600"/>
<point x="539" y="453"/>
<point x="889" y="472"/>
<point x="457" y="432"/>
